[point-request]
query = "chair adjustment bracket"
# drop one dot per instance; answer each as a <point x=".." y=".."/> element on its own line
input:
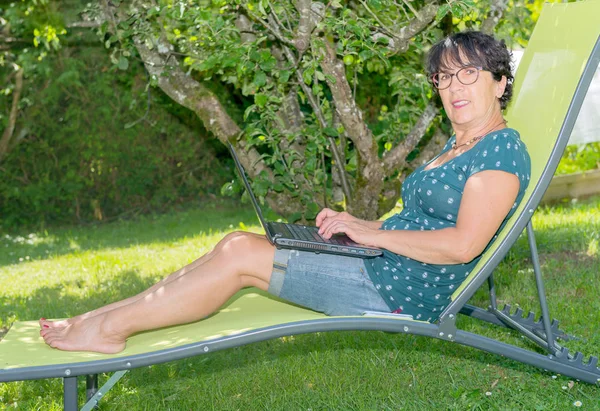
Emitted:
<point x="536" y="327"/>
<point x="447" y="327"/>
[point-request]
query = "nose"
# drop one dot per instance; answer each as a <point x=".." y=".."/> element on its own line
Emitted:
<point x="455" y="85"/>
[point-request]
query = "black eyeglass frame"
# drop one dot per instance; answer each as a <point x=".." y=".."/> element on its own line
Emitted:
<point x="433" y="82"/>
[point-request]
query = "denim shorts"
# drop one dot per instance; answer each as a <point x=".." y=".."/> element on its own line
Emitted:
<point x="331" y="284"/>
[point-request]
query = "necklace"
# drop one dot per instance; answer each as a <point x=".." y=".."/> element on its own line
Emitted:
<point x="475" y="139"/>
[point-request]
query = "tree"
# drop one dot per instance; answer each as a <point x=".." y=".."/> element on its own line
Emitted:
<point x="326" y="103"/>
<point x="296" y="67"/>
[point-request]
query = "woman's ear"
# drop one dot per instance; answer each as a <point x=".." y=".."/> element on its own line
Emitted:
<point x="501" y="86"/>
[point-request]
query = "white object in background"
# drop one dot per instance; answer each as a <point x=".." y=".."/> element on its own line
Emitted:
<point x="587" y="125"/>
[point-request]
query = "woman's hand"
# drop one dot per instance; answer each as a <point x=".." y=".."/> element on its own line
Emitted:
<point x="357" y="231"/>
<point x="332" y="222"/>
<point x="327" y="216"/>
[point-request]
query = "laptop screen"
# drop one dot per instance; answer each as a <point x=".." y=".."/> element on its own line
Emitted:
<point x="242" y="173"/>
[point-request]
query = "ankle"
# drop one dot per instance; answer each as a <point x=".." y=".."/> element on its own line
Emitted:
<point x="113" y="327"/>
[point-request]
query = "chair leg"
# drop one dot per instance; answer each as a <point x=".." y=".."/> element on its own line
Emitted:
<point x="70" y="394"/>
<point x="550" y="339"/>
<point x="91" y="386"/>
<point x="92" y="402"/>
<point x="493" y="301"/>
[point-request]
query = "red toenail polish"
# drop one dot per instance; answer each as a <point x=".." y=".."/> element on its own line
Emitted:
<point x="43" y="319"/>
<point x="46" y="326"/>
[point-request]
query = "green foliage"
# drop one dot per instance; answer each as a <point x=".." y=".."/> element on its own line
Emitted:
<point x="253" y="60"/>
<point x="515" y="26"/>
<point x="580" y="158"/>
<point x="29" y="30"/>
<point x="216" y="50"/>
<point x="91" y="150"/>
<point x="248" y="69"/>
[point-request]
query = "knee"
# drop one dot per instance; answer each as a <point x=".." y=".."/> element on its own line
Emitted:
<point x="236" y="243"/>
<point x="232" y="236"/>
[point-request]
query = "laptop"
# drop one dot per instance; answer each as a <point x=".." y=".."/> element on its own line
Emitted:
<point x="301" y="237"/>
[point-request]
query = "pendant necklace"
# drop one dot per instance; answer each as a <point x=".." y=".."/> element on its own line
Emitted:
<point x="475" y="139"/>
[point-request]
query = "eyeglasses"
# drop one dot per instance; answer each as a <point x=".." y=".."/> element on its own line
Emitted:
<point x="466" y="75"/>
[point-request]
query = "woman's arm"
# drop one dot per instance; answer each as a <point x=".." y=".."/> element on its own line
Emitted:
<point x="487" y="198"/>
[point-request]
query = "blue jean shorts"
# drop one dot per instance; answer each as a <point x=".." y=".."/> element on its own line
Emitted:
<point x="331" y="284"/>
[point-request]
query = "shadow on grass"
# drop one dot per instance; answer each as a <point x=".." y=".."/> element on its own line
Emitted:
<point x="53" y="302"/>
<point x="121" y="234"/>
<point x="339" y="349"/>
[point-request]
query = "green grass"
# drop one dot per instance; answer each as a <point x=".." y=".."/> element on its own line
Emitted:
<point x="65" y="271"/>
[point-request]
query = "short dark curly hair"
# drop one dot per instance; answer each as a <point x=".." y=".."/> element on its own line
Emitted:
<point x="474" y="48"/>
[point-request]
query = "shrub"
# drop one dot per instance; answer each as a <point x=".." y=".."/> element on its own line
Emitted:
<point x="580" y="158"/>
<point x="94" y="147"/>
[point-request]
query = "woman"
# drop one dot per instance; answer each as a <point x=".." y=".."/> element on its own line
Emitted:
<point x="453" y="207"/>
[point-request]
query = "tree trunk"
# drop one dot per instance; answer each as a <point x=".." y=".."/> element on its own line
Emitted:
<point x="12" y="118"/>
<point x="495" y="14"/>
<point x="192" y="94"/>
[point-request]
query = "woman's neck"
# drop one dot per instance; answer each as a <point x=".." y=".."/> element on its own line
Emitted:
<point x="466" y="133"/>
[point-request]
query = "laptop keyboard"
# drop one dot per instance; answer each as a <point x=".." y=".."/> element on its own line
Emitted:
<point x="309" y="233"/>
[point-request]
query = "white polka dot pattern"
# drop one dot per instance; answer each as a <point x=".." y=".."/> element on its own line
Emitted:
<point x="431" y="199"/>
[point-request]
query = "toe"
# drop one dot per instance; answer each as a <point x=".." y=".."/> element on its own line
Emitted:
<point x="48" y="333"/>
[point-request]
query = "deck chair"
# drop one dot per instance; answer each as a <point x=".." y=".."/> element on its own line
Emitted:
<point x="551" y="83"/>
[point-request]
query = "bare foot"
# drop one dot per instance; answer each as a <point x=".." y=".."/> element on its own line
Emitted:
<point x="57" y="324"/>
<point x="78" y="318"/>
<point x="91" y="334"/>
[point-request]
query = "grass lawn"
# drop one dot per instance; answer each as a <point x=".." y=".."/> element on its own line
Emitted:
<point x="62" y="272"/>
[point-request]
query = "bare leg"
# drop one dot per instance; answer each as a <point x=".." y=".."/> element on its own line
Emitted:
<point x="239" y="260"/>
<point x="188" y="268"/>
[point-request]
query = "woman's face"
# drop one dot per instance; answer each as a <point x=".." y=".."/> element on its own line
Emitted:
<point x="474" y="105"/>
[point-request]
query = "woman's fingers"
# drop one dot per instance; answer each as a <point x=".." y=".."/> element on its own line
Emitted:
<point x="334" y="227"/>
<point x="356" y="231"/>
<point x="323" y="215"/>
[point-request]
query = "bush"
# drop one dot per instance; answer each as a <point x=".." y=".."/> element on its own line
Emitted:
<point x="580" y="158"/>
<point x="93" y="150"/>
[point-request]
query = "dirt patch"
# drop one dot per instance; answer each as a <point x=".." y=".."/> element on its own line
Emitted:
<point x="565" y="256"/>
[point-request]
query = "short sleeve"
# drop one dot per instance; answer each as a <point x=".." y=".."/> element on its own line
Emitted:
<point x="503" y="151"/>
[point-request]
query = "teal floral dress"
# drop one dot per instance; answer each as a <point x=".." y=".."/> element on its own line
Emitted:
<point x="431" y="201"/>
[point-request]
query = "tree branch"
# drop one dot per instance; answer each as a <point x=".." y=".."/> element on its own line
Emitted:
<point x="316" y="109"/>
<point x="290" y="118"/>
<point x="495" y="14"/>
<point x="186" y="91"/>
<point x="91" y="24"/>
<point x="350" y="114"/>
<point x="401" y="37"/>
<point x="189" y="93"/>
<point x="243" y="24"/>
<point x="310" y="16"/>
<point x="12" y="118"/>
<point x="383" y="27"/>
<point x="110" y="10"/>
<point x="433" y="147"/>
<point x="266" y="25"/>
<point x="370" y="167"/>
<point x="396" y="158"/>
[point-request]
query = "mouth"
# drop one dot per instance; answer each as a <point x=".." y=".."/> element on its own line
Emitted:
<point x="459" y="103"/>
